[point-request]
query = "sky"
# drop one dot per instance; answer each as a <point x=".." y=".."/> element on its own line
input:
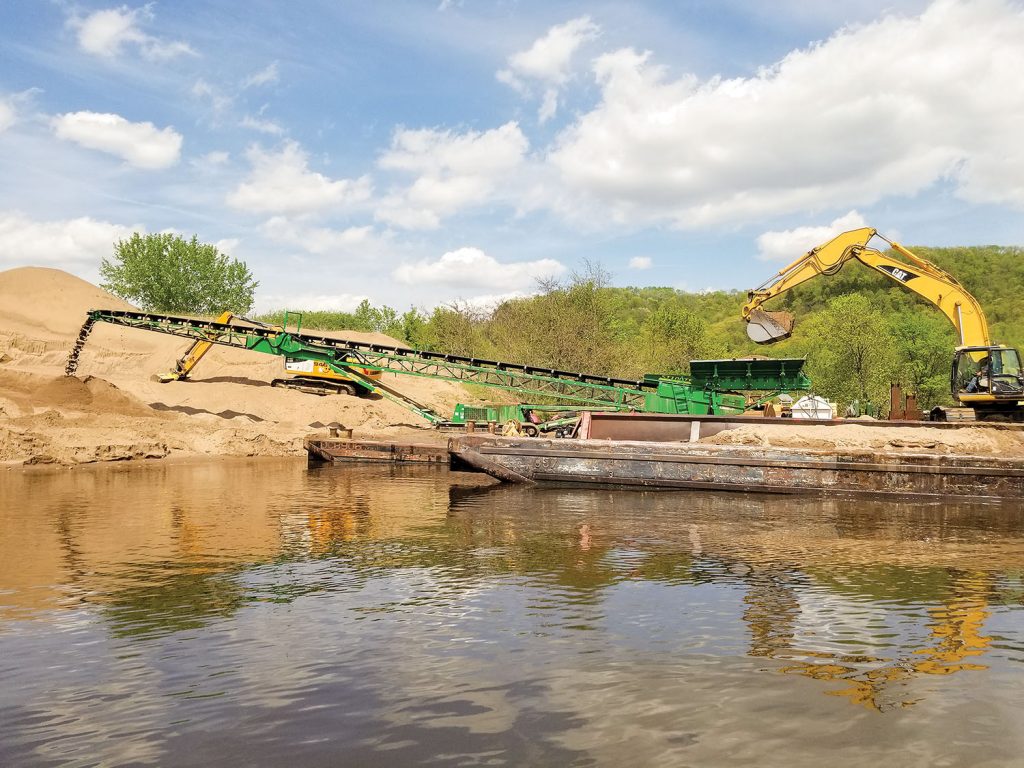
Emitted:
<point x="417" y="153"/>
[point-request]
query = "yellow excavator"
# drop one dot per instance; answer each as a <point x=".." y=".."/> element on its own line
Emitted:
<point x="310" y="376"/>
<point x="985" y="376"/>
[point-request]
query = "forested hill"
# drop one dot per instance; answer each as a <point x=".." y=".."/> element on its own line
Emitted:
<point x="859" y="330"/>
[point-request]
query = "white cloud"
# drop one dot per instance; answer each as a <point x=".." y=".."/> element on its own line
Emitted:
<point x="313" y="302"/>
<point x="281" y="182"/>
<point x="640" y="262"/>
<point x="787" y="245"/>
<point x="72" y="244"/>
<point x="227" y="245"/>
<point x="887" y="108"/>
<point x="219" y="102"/>
<point x="108" y="32"/>
<point x="549" y="57"/>
<point x="323" y="240"/>
<point x="455" y="171"/>
<point x="265" y="76"/>
<point x="261" y="125"/>
<point x="487" y="303"/>
<point x="471" y="267"/>
<point x="548" y="61"/>
<point x="15" y="105"/>
<point x="549" y="106"/>
<point x="7" y="115"/>
<point x="215" y="159"/>
<point x="142" y="145"/>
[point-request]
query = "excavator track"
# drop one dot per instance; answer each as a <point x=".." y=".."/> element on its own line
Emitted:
<point x="317" y="386"/>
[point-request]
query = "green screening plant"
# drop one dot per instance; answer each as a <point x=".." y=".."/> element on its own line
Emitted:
<point x="166" y="273"/>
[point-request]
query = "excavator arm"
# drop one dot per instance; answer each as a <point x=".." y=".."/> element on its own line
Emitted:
<point x="197" y="350"/>
<point x="913" y="273"/>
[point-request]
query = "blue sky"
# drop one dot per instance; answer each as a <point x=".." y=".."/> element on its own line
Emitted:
<point x="415" y="153"/>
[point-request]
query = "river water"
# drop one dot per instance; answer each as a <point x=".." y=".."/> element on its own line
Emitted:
<point x="261" y="613"/>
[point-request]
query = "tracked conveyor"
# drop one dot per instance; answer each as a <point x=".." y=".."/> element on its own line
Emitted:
<point x="707" y="392"/>
<point x="346" y="354"/>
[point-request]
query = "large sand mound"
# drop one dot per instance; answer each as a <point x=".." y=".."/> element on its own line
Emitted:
<point x="38" y="300"/>
<point x="116" y="408"/>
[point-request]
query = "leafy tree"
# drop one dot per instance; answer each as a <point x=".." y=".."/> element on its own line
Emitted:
<point x="454" y="329"/>
<point x="923" y="346"/>
<point x="415" y="328"/>
<point x="166" y="273"/>
<point x="381" y="319"/>
<point x="569" y="326"/>
<point x="850" y="351"/>
<point x="670" y="338"/>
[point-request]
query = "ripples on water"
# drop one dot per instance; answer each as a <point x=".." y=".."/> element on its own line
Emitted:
<point x="258" y="613"/>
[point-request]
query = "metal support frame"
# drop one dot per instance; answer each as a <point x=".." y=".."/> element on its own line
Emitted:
<point x="346" y="354"/>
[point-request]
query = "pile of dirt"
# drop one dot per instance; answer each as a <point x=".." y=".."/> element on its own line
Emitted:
<point x="28" y="393"/>
<point x="117" y="409"/>
<point x="981" y="441"/>
<point x="41" y="301"/>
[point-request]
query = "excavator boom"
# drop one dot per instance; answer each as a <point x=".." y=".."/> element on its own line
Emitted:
<point x="914" y="273"/>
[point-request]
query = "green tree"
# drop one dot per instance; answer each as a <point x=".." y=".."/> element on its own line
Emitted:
<point x="455" y="329"/>
<point x="568" y="326"/>
<point x="850" y="351"/>
<point x="923" y="346"/>
<point x="670" y="338"/>
<point x="415" y="328"/>
<point x="166" y="273"/>
<point x="381" y="319"/>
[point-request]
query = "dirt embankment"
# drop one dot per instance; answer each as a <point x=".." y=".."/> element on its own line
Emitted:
<point x="116" y="409"/>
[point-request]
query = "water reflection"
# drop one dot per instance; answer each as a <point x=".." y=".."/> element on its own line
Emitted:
<point x="408" y="612"/>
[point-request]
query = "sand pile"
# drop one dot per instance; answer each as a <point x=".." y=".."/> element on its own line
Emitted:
<point x="116" y="409"/>
<point x="975" y="441"/>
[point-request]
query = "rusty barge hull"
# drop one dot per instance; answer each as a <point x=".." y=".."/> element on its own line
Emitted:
<point x="336" y="450"/>
<point x="664" y="465"/>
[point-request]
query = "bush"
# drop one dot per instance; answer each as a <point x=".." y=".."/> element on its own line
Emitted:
<point x="166" y="273"/>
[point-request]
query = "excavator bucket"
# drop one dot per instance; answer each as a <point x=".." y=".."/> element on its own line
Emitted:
<point x="769" y="327"/>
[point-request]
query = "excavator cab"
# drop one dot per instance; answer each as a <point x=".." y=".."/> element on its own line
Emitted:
<point x="987" y="377"/>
